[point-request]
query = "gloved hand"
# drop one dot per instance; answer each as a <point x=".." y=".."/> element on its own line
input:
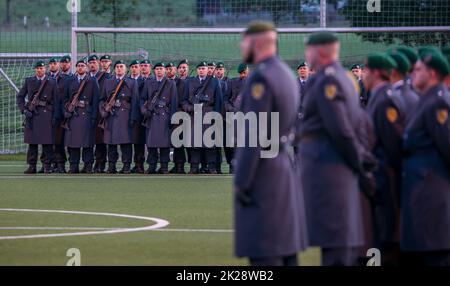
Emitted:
<point x="27" y="113"/>
<point x="68" y="114"/>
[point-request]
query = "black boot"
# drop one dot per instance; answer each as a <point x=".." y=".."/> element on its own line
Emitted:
<point x="101" y="168"/>
<point x="48" y="169"/>
<point x="140" y="168"/>
<point x="134" y="169"/>
<point x="30" y="170"/>
<point x="212" y="169"/>
<point x="126" y="169"/>
<point x="54" y="168"/>
<point x="87" y="168"/>
<point x="151" y="169"/>
<point x="41" y="170"/>
<point x="180" y="168"/>
<point x="74" y="169"/>
<point x="164" y="169"/>
<point x="231" y="169"/>
<point x="61" y="168"/>
<point x="96" y="167"/>
<point x="194" y="169"/>
<point x="173" y="170"/>
<point x="219" y="168"/>
<point x="83" y="170"/>
<point x="111" y="168"/>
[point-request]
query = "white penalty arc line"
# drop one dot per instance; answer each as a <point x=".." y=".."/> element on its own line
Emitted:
<point x="160" y="223"/>
<point x="111" y="228"/>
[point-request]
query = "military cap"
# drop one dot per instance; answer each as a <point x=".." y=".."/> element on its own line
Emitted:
<point x="259" y="27"/>
<point x="119" y="62"/>
<point x="220" y="65"/>
<point x="82" y="60"/>
<point x="321" y="38"/>
<point x="409" y="52"/>
<point x="426" y="50"/>
<point x="169" y="65"/>
<point x="355" y="66"/>
<point x="185" y="61"/>
<point x="403" y="64"/>
<point x="65" y="59"/>
<point x="39" y="64"/>
<point x="202" y="64"/>
<point x="446" y="50"/>
<point x="146" y="62"/>
<point x="242" y="67"/>
<point x="159" y="64"/>
<point x="105" y="57"/>
<point x="302" y="64"/>
<point x="92" y="58"/>
<point x="212" y="64"/>
<point x="380" y="61"/>
<point x="434" y="59"/>
<point x="52" y="60"/>
<point x="134" y="62"/>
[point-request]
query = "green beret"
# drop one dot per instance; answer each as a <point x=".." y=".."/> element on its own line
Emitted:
<point x="82" y="60"/>
<point x="52" y="60"/>
<point x="321" y="38"/>
<point x="92" y="58"/>
<point x="119" y="62"/>
<point x="211" y="64"/>
<point x="380" y="61"/>
<point x="105" y="57"/>
<point x="409" y="52"/>
<point x="220" y="65"/>
<point x="259" y="27"/>
<point x="302" y="64"/>
<point x="39" y="64"/>
<point x="185" y="61"/>
<point x="65" y="59"/>
<point x="134" y="62"/>
<point x="146" y="62"/>
<point x="403" y="64"/>
<point x="169" y="65"/>
<point x="427" y="49"/>
<point x="445" y="50"/>
<point x="159" y="64"/>
<point x="242" y="67"/>
<point x="355" y="66"/>
<point x="434" y="59"/>
<point x="202" y="64"/>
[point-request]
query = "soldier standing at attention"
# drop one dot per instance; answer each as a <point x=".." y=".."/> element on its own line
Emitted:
<point x="268" y="209"/>
<point x="38" y="101"/>
<point x="119" y="105"/>
<point x="183" y="69"/>
<point x="357" y="71"/>
<point x="425" y="202"/>
<point x="219" y="73"/>
<point x="80" y="111"/>
<point x="329" y="146"/>
<point x="388" y="117"/>
<point x="105" y="63"/>
<point x="158" y="102"/>
<point x="303" y="75"/>
<point x="232" y="103"/>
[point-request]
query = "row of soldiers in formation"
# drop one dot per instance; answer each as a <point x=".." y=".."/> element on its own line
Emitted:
<point x="370" y="174"/>
<point x="93" y="111"/>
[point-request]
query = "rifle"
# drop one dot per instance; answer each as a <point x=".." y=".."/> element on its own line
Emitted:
<point x="31" y="105"/>
<point x="110" y="102"/>
<point x="151" y="106"/>
<point x="199" y="97"/>
<point x="72" y="104"/>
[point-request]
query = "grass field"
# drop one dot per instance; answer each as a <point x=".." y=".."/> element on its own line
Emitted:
<point x="198" y="208"/>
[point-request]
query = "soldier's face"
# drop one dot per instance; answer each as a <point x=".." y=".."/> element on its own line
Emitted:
<point x="211" y="70"/>
<point x="120" y="69"/>
<point x="202" y="71"/>
<point x="135" y="70"/>
<point x="54" y="67"/>
<point x="65" y="67"/>
<point x="160" y="72"/>
<point x="247" y="50"/>
<point x="81" y="68"/>
<point x="40" y="71"/>
<point x="219" y="72"/>
<point x="183" y="70"/>
<point x="311" y="56"/>
<point x="171" y="71"/>
<point x="357" y="73"/>
<point x="244" y="74"/>
<point x="93" y="66"/>
<point x="420" y="75"/>
<point x="105" y="64"/>
<point x="145" y="69"/>
<point x="303" y="72"/>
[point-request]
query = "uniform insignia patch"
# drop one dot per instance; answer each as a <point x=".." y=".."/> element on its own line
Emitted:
<point x="330" y="91"/>
<point x="257" y="90"/>
<point x="442" y="116"/>
<point x="391" y="114"/>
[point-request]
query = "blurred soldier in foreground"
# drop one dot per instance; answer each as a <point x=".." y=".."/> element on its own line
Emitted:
<point x="425" y="230"/>
<point x="330" y="154"/>
<point x="268" y="208"/>
<point x="38" y="101"/>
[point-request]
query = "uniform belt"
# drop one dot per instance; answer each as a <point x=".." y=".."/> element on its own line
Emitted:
<point x="83" y="104"/>
<point x="42" y="103"/>
<point x="310" y="137"/>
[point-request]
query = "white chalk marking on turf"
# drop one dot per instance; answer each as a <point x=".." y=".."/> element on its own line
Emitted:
<point x="110" y="228"/>
<point x="160" y="223"/>
<point x="116" y="177"/>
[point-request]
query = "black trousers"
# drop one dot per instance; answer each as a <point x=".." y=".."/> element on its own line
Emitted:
<point x="139" y="153"/>
<point x="46" y="157"/>
<point x="229" y="154"/>
<point x="290" y="260"/>
<point x="60" y="154"/>
<point x="179" y="156"/>
<point x="100" y="153"/>
<point x="426" y="258"/>
<point x="218" y="156"/>
<point x="153" y="155"/>
<point x="208" y="153"/>
<point x="87" y="154"/>
<point x="113" y="155"/>
<point x="340" y="256"/>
